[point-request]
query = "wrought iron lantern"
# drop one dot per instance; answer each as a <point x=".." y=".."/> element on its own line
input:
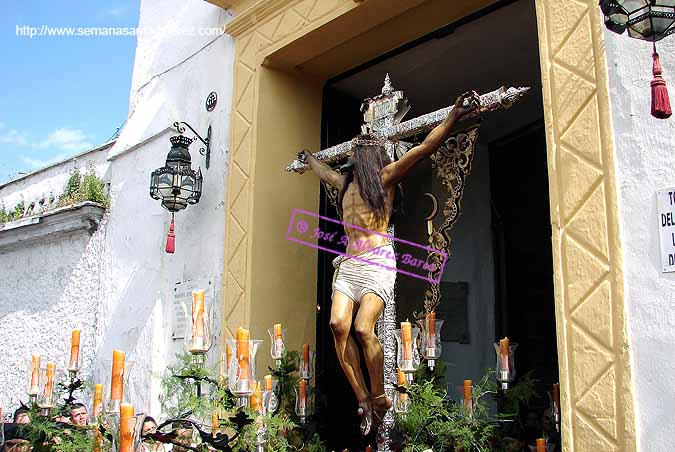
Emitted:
<point x="176" y="184"/>
<point x="648" y="20"/>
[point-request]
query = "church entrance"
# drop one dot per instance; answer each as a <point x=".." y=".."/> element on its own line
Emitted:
<point x="499" y="277"/>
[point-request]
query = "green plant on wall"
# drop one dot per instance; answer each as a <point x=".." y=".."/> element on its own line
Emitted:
<point x="78" y="188"/>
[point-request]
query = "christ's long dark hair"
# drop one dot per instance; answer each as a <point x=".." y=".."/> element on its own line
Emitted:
<point x="367" y="163"/>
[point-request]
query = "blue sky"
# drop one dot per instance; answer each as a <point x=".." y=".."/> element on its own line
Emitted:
<point x="61" y="94"/>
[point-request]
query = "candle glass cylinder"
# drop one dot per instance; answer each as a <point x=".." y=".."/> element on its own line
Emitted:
<point x="198" y="338"/>
<point x="110" y="404"/>
<point x="262" y="435"/>
<point x="95" y="394"/>
<point x="270" y="399"/>
<point x="278" y="339"/>
<point x="554" y="404"/>
<point x="35" y="376"/>
<point x="72" y="352"/>
<point x="48" y="395"/>
<point x="401" y="402"/>
<point x="2" y="426"/>
<point x="306" y="365"/>
<point x="506" y="366"/>
<point x="407" y="354"/>
<point x="304" y="401"/>
<point x="241" y="374"/>
<point x="131" y="427"/>
<point x="430" y="344"/>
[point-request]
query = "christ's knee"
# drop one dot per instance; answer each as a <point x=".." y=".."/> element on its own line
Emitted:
<point x="340" y="327"/>
<point x="365" y="331"/>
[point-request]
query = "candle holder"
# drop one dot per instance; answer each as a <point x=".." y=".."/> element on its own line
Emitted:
<point x="110" y="405"/>
<point x="198" y="338"/>
<point x="304" y="401"/>
<point x="431" y="339"/>
<point x="262" y="435"/>
<point x="506" y="367"/>
<point x="278" y="339"/>
<point x="47" y="397"/>
<point x="467" y="401"/>
<point x="270" y="399"/>
<point x="554" y="399"/>
<point x="112" y="423"/>
<point x="72" y="359"/>
<point x="408" y="360"/>
<point x="2" y="425"/>
<point x="401" y="403"/>
<point x="35" y="376"/>
<point x="306" y="365"/>
<point x="241" y="374"/>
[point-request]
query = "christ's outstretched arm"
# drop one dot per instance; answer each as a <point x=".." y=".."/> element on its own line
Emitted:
<point x="395" y="172"/>
<point x="325" y="173"/>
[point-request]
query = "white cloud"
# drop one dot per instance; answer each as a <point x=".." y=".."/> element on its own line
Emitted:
<point x="115" y="11"/>
<point x="41" y="163"/>
<point x="12" y="136"/>
<point x="67" y="139"/>
<point x="58" y="145"/>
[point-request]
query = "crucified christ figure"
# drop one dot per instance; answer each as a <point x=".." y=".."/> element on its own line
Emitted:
<point x="360" y="288"/>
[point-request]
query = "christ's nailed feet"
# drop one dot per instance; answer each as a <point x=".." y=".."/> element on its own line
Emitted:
<point x="365" y="410"/>
<point x="381" y="405"/>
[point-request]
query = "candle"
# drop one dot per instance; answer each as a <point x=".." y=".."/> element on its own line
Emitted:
<point x="243" y="338"/>
<point x="406" y="339"/>
<point x="269" y="384"/>
<point x="401" y="376"/>
<point x="256" y="399"/>
<point x="74" y="350"/>
<point x="98" y="399"/>
<point x="305" y="358"/>
<point x="468" y="394"/>
<point x="556" y="396"/>
<point x="504" y="354"/>
<point x="278" y="339"/>
<point x="117" y="376"/>
<point x="35" y="375"/>
<point x="126" y="427"/>
<point x="431" y="328"/>
<point x="541" y="445"/>
<point x="215" y="424"/>
<point x="198" y="320"/>
<point x="368" y="448"/>
<point x="302" y="397"/>
<point x="401" y="382"/>
<point x="49" y="380"/>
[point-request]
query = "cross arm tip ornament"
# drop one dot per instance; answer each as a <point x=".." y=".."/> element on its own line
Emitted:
<point x="501" y="98"/>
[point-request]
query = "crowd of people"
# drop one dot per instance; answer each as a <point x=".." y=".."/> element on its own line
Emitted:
<point x="15" y="432"/>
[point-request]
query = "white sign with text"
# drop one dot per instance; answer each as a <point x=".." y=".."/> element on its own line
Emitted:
<point x="665" y="202"/>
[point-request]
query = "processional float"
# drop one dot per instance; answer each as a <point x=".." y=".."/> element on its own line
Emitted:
<point x="382" y="117"/>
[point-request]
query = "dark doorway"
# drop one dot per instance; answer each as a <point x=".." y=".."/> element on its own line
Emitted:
<point x="523" y="255"/>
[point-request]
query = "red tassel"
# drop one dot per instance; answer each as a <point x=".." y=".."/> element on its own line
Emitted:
<point x="660" y="101"/>
<point x="171" y="239"/>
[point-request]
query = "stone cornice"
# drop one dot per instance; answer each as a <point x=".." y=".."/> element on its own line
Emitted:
<point x="255" y="14"/>
<point x="84" y="216"/>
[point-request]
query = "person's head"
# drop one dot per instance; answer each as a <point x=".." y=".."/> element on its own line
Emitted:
<point x="369" y="157"/>
<point x="78" y="414"/>
<point x="149" y="425"/>
<point x="21" y="416"/>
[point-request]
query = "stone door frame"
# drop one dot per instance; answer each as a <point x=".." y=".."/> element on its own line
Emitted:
<point x="287" y="49"/>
